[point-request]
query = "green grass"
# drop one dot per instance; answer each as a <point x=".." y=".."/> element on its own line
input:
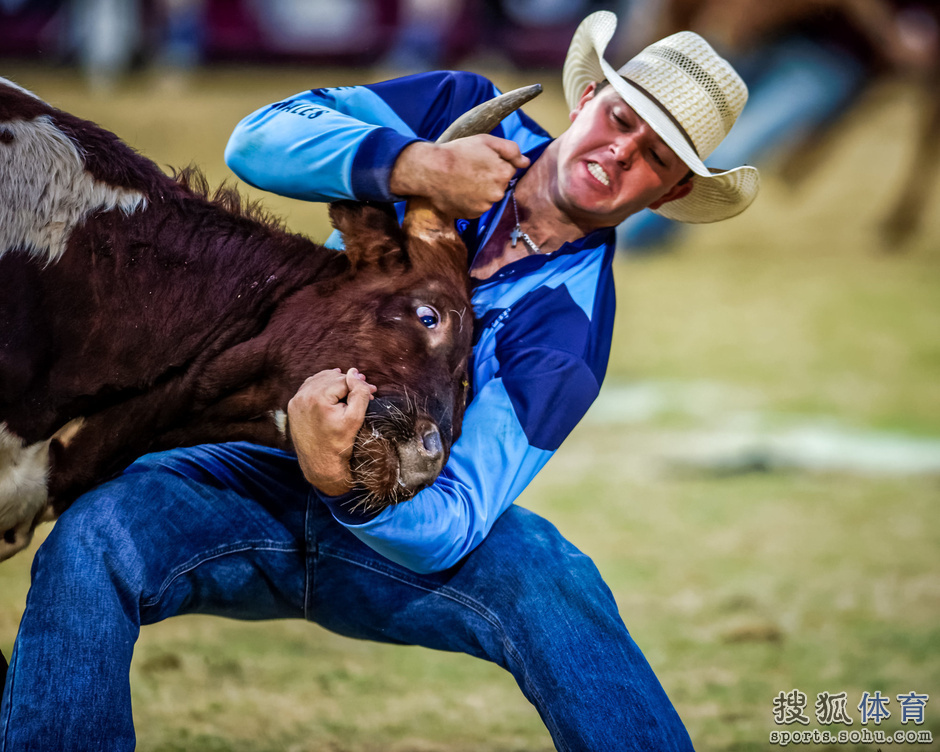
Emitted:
<point x="740" y="588"/>
<point x="737" y="587"/>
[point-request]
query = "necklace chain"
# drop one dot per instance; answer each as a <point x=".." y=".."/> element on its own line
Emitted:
<point x="517" y="230"/>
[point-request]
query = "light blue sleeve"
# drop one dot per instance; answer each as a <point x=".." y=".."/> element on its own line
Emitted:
<point x="322" y="145"/>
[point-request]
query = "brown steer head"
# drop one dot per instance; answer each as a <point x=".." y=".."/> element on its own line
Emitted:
<point x="406" y="313"/>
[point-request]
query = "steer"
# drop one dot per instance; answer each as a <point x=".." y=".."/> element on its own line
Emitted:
<point x="138" y="313"/>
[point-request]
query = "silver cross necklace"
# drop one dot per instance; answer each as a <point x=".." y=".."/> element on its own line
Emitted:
<point x="517" y="230"/>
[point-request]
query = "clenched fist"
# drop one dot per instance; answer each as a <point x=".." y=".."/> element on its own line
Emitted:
<point x="461" y="178"/>
<point x="323" y="418"/>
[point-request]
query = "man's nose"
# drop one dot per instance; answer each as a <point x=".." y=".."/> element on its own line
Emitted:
<point x="624" y="149"/>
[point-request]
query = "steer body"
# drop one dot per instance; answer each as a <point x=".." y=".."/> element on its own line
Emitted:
<point x="137" y="313"/>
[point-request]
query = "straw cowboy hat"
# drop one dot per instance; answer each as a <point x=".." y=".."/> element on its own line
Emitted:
<point x="688" y="94"/>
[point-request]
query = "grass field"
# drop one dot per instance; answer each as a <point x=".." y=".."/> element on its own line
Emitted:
<point x="737" y="584"/>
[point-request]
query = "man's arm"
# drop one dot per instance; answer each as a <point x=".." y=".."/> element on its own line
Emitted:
<point x="373" y="143"/>
<point x="490" y="465"/>
<point x="485" y="164"/>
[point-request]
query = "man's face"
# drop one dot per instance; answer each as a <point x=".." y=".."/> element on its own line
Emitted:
<point x="611" y="164"/>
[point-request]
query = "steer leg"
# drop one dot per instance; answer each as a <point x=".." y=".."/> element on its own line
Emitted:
<point x="24" y="480"/>
<point x="24" y="472"/>
<point x="108" y="441"/>
<point x="101" y="445"/>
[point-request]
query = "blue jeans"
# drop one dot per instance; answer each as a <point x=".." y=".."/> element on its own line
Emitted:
<point x="234" y="530"/>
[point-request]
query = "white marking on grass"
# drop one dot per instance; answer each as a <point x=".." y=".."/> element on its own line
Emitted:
<point x="724" y="437"/>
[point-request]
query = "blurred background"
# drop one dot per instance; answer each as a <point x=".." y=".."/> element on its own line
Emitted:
<point x="759" y="480"/>
<point x="808" y="62"/>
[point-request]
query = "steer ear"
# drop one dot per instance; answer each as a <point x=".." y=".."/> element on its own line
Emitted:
<point x="433" y="242"/>
<point x="371" y="234"/>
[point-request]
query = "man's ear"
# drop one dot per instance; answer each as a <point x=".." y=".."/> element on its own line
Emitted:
<point x="680" y="190"/>
<point x="587" y="95"/>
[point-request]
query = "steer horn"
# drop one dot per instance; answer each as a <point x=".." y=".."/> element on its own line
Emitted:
<point x="421" y="219"/>
<point x="484" y="117"/>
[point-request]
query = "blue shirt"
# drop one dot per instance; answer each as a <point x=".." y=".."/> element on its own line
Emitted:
<point x="543" y="323"/>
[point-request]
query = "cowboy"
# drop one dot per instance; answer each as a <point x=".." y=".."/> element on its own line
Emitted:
<point x="256" y="533"/>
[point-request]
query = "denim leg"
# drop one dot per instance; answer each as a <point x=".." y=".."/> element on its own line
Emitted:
<point x="525" y="599"/>
<point x="166" y="537"/>
<point x="222" y="530"/>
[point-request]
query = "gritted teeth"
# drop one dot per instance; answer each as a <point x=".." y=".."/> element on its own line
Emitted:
<point x="598" y="172"/>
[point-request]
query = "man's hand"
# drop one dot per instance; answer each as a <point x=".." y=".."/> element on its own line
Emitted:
<point x="323" y="418"/>
<point x="462" y="178"/>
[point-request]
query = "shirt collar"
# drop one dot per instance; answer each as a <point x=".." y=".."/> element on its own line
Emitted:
<point x="477" y="232"/>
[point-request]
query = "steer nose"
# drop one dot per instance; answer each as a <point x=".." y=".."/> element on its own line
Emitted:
<point x="422" y="458"/>
<point x="432" y="443"/>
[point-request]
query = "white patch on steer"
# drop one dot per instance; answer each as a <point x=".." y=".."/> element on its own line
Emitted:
<point x="280" y="422"/>
<point x="24" y="472"/>
<point x="45" y="191"/>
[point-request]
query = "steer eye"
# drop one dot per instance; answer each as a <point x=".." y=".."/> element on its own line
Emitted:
<point x="428" y="316"/>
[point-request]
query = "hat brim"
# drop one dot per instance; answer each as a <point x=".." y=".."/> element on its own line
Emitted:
<point x="715" y="194"/>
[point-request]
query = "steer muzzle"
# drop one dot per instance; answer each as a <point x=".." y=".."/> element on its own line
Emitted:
<point x="400" y="449"/>
<point x="421" y="458"/>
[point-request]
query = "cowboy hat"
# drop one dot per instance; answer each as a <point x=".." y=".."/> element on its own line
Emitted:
<point x="688" y="94"/>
